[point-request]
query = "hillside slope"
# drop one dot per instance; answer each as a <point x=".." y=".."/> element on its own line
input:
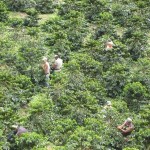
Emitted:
<point x="71" y="114"/>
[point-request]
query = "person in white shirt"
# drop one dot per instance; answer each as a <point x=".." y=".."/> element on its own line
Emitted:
<point x="57" y="66"/>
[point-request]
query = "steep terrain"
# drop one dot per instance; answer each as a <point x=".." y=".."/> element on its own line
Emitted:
<point x="71" y="113"/>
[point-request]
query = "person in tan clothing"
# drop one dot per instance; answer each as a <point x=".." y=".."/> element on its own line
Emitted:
<point x="127" y="127"/>
<point x="46" y="69"/>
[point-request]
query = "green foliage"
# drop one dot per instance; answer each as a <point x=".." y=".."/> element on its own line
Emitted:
<point x="20" y="5"/>
<point x="71" y="113"/>
<point x="32" y="19"/>
<point x="33" y="31"/>
<point x="71" y="5"/>
<point x="107" y="57"/>
<point x="93" y="8"/>
<point x="61" y="130"/>
<point x="3" y="12"/>
<point x="105" y="16"/>
<point x="28" y="61"/>
<point x="115" y="79"/>
<point x="141" y="72"/>
<point x="130" y="149"/>
<point x="121" y="13"/>
<point x="17" y="96"/>
<point x="82" y="138"/>
<point x="88" y="65"/>
<point x="29" y="141"/>
<point x="135" y="93"/>
<point x="70" y="39"/>
<point x="16" y="22"/>
<point x="144" y="122"/>
<point x="120" y="106"/>
<point x="94" y="87"/>
<point x="136" y="42"/>
<point x="45" y="6"/>
<point x="40" y="103"/>
<point x="3" y="143"/>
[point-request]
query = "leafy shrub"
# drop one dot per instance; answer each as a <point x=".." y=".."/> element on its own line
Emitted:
<point x="96" y="89"/>
<point x="3" y="12"/>
<point x="121" y="13"/>
<point x="66" y="7"/>
<point x="32" y="19"/>
<point x="3" y="142"/>
<point x="45" y="6"/>
<point x="130" y="148"/>
<point x="40" y="103"/>
<point x="24" y="64"/>
<point x="29" y="140"/>
<point x="94" y="8"/>
<point x="61" y="129"/>
<point x="120" y="106"/>
<point x="115" y="79"/>
<point x="70" y="113"/>
<point x="135" y="93"/>
<point x="143" y="132"/>
<point x="88" y="65"/>
<point x="141" y="72"/>
<point x="107" y="57"/>
<point x="53" y="24"/>
<point x="20" y="5"/>
<point x="136" y="42"/>
<point x="16" y="22"/>
<point x="105" y="16"/>
<point x="83" y="138"/>
<point x="33" y="31"/>
<point x="15" y="91"/>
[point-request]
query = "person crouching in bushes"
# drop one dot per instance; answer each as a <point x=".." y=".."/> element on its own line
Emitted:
<point x="17" y="130"/>
<point x="127" y="127"/>
<point x="109" y="45"/>
<point x="108" y="105"/>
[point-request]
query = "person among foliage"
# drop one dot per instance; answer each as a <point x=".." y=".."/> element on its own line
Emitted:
<point x="127" y="127"/>
<point x="46" y="69"/>
<point x="57" y="66"/>
<point x="109" y="45"/>
<point x="107" y="112"/>
<point x="18" y="130"/>
<point x="108" y="105"/>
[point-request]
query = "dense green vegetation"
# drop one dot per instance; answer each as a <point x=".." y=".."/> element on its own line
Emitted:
<point x="70" y="115"/>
